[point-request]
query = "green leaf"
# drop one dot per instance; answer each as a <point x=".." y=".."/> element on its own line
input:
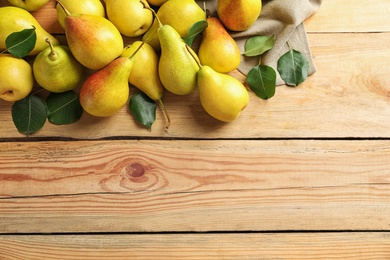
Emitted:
<point x="293" y="67"/>
<point x="257" y="45"/>
<point x="262" y="81"/>
<point x="21" y="43"/>
<point x="143" y="109"/>
<point x="64" y="108"/>
<point x="29" y="114"/>
<point x="196" y="29"/>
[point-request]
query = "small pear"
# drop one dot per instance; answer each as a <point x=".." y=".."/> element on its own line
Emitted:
<point x="239" y="15"/>
<point x="29" y="5"/>
<point x="14" y="19"/>
<point x="144" y="74"/>
<point x="222" y="96"/>
<point x="180" y="14"/>
<point x="56" y="70"/>
<point x="217" y="48"/>
<point x="16" y="80"/>
<point x="129" y="16"/>
<point x="107" y="90"/>
<point x="94" y="7"/>
<point x="93" y="40"/>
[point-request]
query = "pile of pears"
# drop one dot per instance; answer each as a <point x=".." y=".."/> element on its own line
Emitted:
<point x="98" y="63"/>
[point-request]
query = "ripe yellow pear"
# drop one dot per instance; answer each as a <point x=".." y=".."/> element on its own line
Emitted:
<point x="106" y="91"/>
<point x="222" y="96"/>
<point x="16" y="80"/>
<point x="29" y="5"/>
<point x="129" y="16"/>
<point x="239" y="15"/>
<point x="93" y="40"/>
<point x="56" y="70"/>
<point x="94" y="7"/>
<point x="180" y="14"/>
<point x="217" y="48"/>
<point x="14" y="19"/>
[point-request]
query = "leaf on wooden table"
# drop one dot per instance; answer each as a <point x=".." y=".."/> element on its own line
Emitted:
<point x="21" y="43"/>
<point x="196" y="29"/>
<point x="257" y="45"/>
<point x="29" y="114"/>
<point x="143" y="109"/>
<point x="64" y="108"/>
<point x="293" y="67"/>
<point x="262" y="81"/>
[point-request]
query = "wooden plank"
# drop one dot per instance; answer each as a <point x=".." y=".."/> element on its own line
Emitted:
<point x="356" y="246"/>
<point x="348" y="96"/>
<point x="140" y="186"/>
<point x="350" y="16"/>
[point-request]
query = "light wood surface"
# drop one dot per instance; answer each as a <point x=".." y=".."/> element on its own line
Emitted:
<point x="304" y="175"/>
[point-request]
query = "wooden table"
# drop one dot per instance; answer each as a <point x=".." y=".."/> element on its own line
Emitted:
<point x="304" y="175"/>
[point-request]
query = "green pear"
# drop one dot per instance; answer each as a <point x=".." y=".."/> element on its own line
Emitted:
<point x="180" y="14"/>
<point x="14" y="19"/>
<point x="129" y="16"/>
<point x="56" y="70"/>
<point x="16" y="80"/>
<point x="106" y="91"/>
<point x="93" y="40"/>
<point x="238" y="15"/>
<point x="94" y="7"/>
<point x="222" y="96"/>
<point x="144" y="74"/>
<point x="217" y="48"/>
<point x="29" y="5"/>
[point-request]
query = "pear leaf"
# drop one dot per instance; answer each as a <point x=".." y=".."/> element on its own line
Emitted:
<point x="293" y="67"/>
<point x="262" y="81"/>
<point x="21" y="43"/>
<point x="143" y="109"/>
<point x="257" y="45"/>
<point x="64" y="108"/>
<point x="29" y="114"/>
<point x="196" y="29"/>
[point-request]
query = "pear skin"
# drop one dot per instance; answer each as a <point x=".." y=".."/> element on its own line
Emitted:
<point x="93" y="40"/>
<point x="222" y="96"/>
<point x="14" y="19"/>
<point x="239" y="15"/>
<point x="56" y="70"/>
<point x="177" y="67"/>
<point x="17" y="79"/>
<point x="217" y="48"/>
<point x="180" y="14"/>
<point x="106" y="91"/>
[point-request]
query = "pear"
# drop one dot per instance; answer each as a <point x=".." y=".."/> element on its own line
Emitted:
<point x="94" y="7"/>
<point x="56" y="70"/>
<point x="29" y="5"/>
<point x="238" y="15"/>
<point x="217" y="48"/>
<point x="156" y="2"/>
<point x="222" y="96"/>
<point x="16" y="80"/>
<point x="93" y="40"/>
<point x="107" y="90"/>
<point x="180" y="14"/>
<point x="129" y="16"/>
<point x="144" y="74"/>
<point x="14" y="19"/>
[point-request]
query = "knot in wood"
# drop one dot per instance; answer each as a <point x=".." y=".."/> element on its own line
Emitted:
<point x="135" y="170"/>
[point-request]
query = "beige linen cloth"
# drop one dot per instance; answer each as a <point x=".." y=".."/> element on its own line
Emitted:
<point x="283" y="19"/>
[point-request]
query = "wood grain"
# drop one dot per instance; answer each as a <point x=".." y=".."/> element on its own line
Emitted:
<point x="356" y="246"/>
<point x="141" y="186"/>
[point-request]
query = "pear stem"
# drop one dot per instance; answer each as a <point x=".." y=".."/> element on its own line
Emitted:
<point x="192" y="55"/>
<point x="165" y="113"/>
<point x="63" y="8"/>
<point x="53" y="54"/>
<point x="154" y="12"/>
<point x="134" y="53"/>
